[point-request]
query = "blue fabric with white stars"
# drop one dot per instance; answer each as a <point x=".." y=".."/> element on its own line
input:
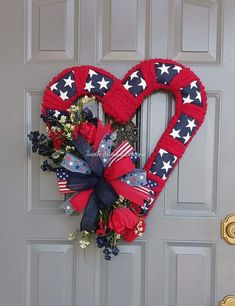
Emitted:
<point x="98" y="83"/>
<point x="166" y="72"/>
<point x="135" y="83"/>
<point x="151" y="184"/>
<point x="135" y="156"/>
<point x="67" y="207"/>
<point x="184" y="128"/>
<point x="62" y="174"/>
<point x="163" y="164"/>
<point x="75" y="164"/>
<point x="136" y="177"/>
<point x="191" y="94"/>
<point x="65" y="87"/>
<point x="56" y="114"/>
<point x="105" y="146"/>
<point x="146" y="205"/>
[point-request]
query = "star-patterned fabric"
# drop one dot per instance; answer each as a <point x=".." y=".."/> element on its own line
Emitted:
<point x="104" y="148"/>
<point x="98" y="83"/>
<point x="75" y="164"/>
<point x="65" y="87"/>
<point x="135" y="178"/>
<point x="184" y="128"/>
<point x="135" y="83"/>
<point x="191" y="94"/>
<point x="163" y="164"/>
<point x="145" y="207"/>
<point x="67" y="207"/>
<point x="166" y="72"/>
<point x="55" y="113"/>
<point x="151" y="184"/>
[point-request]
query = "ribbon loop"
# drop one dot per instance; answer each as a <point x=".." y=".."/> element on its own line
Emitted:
<point x="75" y="164"/>
<point x="89" y="217"/>
<point x="103" y="195"/>
<point x="105" y="192"/>
<point x="89" y="155"/>
<point x="81" y="182"/>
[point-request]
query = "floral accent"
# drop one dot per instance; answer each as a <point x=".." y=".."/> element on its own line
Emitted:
<point x="101" y="230"/>
<point x="122" y="218"/>
<point x="133" y="233"/>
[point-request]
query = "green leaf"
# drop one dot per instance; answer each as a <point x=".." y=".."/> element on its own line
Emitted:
<point x="56" y="155"/>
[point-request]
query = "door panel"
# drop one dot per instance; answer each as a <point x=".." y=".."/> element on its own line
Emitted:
<point x="194" y="189"/>
<point x="189" y="270"/>
<point x="181" y="260"/>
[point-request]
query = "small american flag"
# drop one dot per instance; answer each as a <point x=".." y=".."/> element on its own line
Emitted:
<point x="62" y="176"/>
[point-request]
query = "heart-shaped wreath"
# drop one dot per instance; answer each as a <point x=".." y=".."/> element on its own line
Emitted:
<point x="100" y="172"/>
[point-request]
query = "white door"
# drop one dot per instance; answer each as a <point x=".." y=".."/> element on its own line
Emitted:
<point x="181" y="260"/>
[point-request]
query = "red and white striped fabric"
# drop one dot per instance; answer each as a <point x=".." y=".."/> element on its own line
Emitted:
<point x="145" y="190"/>
<point x="123" y="150"/>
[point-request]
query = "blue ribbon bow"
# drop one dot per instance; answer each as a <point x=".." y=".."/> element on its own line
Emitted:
<point x="103" y="195"/>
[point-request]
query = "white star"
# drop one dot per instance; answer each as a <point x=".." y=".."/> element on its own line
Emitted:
<point x="193" y="84"/>
<point x="186" y="138"/>
<point x="153" y="172"/>
<point x="175" y="133"/>
<point x="142" y="83"/>
<point x="91" y="73"/>
<point x="164" y="177"/>
<point x="166" y="166"/>
<point x="178" y="68"/>
<point x="187" y="99"/>
<point x="127" y="86"/>
<point x="103" y="83"/>
<point x="54" y="86"/>
<point x="134" y="75"/>
<point x="199" y="97"/>
<point x="191" y="124"/>
<point x="63" y="95"/>
<point x="56" y="114"/>
<point x="89" y="86"/>
<point x="161" y="152"/>
<point x="175" y="159"/>
<point x="164" y="69"/>
<point x="71" y="163"/>
<point x="69" y="82"/>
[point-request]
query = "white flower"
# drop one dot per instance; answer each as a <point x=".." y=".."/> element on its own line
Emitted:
<point x="83" y="243"/>
<point x="72" y="237"/>
<point x="63" y="119"/>
<point x="53" y="128"/>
